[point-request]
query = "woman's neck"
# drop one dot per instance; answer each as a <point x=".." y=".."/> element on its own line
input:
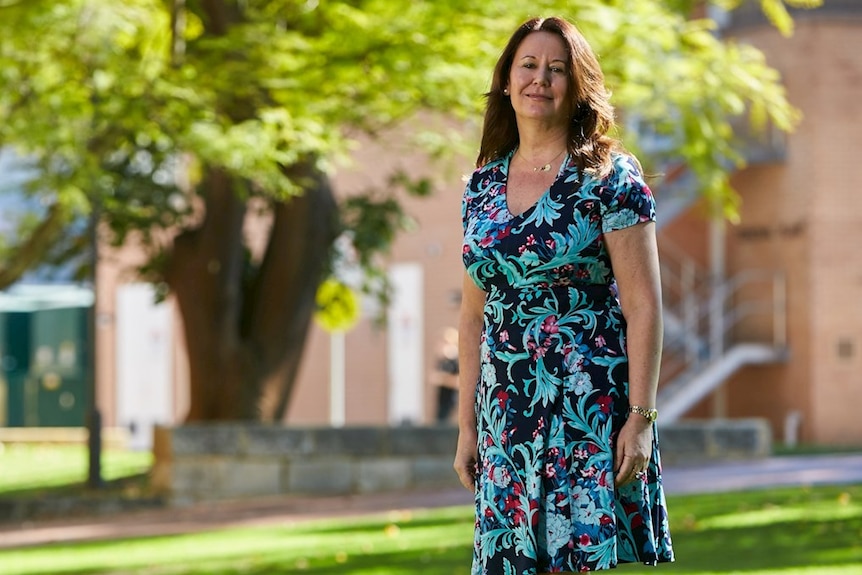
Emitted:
<point x="538" y="143"/>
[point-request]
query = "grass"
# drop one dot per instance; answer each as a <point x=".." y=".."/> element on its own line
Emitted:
<point x="30" y="470"/>
<point x="810" y="531"/>
<point x="791" y="530"/>
<point x="782" y="449"/>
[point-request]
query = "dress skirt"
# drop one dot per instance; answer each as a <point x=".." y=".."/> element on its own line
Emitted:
<point x="551" y="398"/>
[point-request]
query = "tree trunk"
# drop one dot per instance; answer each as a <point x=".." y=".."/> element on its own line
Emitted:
<point x="205" y="273"/>
<point x="281" y="302"/>
<point x="244" y="348"/>
<point x="31" y="250"/>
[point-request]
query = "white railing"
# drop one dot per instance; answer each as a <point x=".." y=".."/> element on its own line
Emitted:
<point x="704" y="320"/>
<point x="728" y="308"/>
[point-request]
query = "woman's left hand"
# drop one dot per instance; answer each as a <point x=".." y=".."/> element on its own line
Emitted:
<point x="633" y="449"/>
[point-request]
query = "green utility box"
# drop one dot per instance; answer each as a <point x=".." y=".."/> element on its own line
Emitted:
<point x="45" y="370"/>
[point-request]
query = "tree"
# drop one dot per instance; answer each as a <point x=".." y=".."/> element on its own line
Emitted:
<point x="174" y="121"/>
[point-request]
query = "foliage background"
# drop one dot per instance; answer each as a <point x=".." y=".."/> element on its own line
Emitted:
<point x="171" y="122"/>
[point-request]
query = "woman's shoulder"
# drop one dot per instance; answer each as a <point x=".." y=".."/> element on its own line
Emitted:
<point x="623" y="176"/>
<point x="493" y="166"/>
<point x="624" y="164"/>
<point x="625" y="171"/>
<point x="493" y="170"/>
<point x="620" y="167"/>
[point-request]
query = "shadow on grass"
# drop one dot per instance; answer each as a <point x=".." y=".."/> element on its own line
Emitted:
<point x="754" y="532"/>
<point x="129" y="484"/>
<point x="450" y="561"/>
<point x="30" y="469"/>
<point x="404" y="519"/>
<point x="766" y="530"/>
<point x="128" y="493"/>
<point x="762" y="548"/>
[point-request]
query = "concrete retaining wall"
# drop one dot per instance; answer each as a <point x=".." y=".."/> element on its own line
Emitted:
<point x="228" y="461"/>
<point x="222" y="461"/>
<point x="696" y="441"/>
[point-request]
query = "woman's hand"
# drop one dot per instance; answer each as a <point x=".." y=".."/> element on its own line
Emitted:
<point x="633" y="449"/>
<point x="465" y="457"/>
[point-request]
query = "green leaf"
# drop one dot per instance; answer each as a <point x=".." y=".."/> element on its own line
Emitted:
<point x="778" y="15"/>
<point x="113" y="113"/>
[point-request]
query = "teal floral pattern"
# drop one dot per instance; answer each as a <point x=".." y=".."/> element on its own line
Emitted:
<point x="553" y="386"/>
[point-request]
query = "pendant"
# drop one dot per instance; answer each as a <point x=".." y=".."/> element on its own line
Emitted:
<point x="545" y="168"/>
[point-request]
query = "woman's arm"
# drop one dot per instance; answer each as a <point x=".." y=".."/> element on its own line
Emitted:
<point x="634" y="257"/>
<point x="469" y="334"/>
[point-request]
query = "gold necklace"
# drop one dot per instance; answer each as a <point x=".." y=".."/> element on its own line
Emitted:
<point x="545" y="167"/>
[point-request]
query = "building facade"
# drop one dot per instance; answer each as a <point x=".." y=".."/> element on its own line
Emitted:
<point x="800" y="219"/>
<point x="789" y="272"/>
<point x="788" y="279"/>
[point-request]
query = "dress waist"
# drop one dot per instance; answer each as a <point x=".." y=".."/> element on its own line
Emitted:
<point x="589" y="289"/>
<point x="559" y="299"/>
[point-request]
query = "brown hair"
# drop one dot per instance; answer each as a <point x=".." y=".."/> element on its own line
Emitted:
<point x="592" y="115"/>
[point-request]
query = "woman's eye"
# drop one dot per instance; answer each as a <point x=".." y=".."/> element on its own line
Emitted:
<point x="557" y="70"/>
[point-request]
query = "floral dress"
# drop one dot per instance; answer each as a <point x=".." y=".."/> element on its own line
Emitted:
<point x="553" y="387"/>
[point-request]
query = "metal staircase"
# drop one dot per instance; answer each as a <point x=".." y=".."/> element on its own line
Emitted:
<point x="714" y="329"/>
<point x="713" y="326"/>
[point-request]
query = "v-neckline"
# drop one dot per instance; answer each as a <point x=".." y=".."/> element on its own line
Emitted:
<point x="563" y="167"/>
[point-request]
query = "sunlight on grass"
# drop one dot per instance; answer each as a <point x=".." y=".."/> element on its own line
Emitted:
<point x="307" y="546"/>
<point x="784" y="531"/>
<point x="808" y="531"/>
<point x="34" y="467"/>
<point x="774" y="514"/>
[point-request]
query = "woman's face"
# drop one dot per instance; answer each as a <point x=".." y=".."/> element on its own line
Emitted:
<point x="539" y="80"/>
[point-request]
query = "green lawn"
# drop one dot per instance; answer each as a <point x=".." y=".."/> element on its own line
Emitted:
<point x="810" y="531"/>
<point x="29" y="469"/>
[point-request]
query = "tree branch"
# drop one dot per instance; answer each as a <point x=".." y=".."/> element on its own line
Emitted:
<point x="178" y="24"/>
<point x="30" y="252"/>
<point x="218" y="16"/>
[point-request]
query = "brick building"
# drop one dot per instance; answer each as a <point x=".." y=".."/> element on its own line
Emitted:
<point x="800" y="217"/>
<point x="762" y="318"/>
<point x="784" y="282"/>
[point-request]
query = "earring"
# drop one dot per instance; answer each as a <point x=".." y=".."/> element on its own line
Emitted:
<point x="506" y="91"/>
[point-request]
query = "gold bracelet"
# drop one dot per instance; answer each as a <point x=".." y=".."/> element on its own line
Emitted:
<point x="650" y="414"/>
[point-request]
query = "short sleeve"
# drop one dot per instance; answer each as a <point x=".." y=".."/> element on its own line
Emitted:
<point x="464" y="202"/>
<point x="467" y="201"/>
<point x="626" y="199"/>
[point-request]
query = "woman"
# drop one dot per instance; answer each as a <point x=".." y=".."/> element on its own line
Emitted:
<point x="560" y="327"/>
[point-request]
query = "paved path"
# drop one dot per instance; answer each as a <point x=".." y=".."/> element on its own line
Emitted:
<point x="769" y="472"/>
<point x="713" y="477"/>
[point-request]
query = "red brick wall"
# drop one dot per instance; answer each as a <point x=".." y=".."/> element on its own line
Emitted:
<point x="804" y="218"/>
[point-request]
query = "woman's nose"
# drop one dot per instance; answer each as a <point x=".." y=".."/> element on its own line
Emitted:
<point x="542" y="77"/>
